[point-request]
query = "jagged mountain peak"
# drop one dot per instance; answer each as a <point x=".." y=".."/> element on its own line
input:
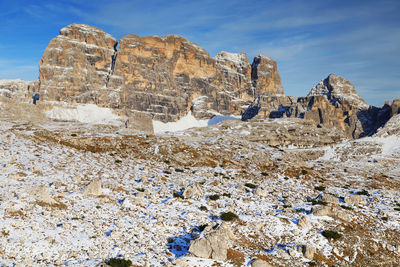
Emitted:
<point x="338" y="89"/>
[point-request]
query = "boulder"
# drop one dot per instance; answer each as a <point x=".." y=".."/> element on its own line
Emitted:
<point x="41" y="194"/>
<point x="304" y="222"/>
<point x="260" y="263"/>
<point x="353" y="199"/>
<point x="213" y="243"/>
<point x="193" y="190"/>
<point x="330" y="199"/>
<point x="320" y="210"/>
<point x="94" y="188"/>
<point x="309" y="251"/>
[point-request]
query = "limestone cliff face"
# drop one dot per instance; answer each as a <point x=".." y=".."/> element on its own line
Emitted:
<point x="164" y="77"/>
<point x="333" y="102"/>
<point x="265" y="76"/>
<point x="76" y="64"/>
<point x="339" y="90"/>
<point x="161" y="75"/>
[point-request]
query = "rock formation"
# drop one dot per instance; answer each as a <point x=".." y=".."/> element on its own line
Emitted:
<point x="76" y="65"/>
<point x="265" y="77"/>
<point x="18" y="88"/>
<point x="333" y="102"/>
<point x="164" y="77"/>
<point x="338" y="90"/>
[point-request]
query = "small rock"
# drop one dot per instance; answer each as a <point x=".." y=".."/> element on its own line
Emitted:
<point x="212" y="243"/>
<point x="194" y="190"/>
<point x="304" y="222"/>
<point x="94" y="188"/>
<point x="320" y="210"/>
<point x="41" y="194"/>
<point x="330" y="199"/>
<point x="179" y="262"/>
<point x="260" y="192"/>
<point x="309" y="251"/>
<point x="76" y="179"/>
<point x="292" y="252"/>
<point x="353" y="199"/>
<point x="260" y="263"/>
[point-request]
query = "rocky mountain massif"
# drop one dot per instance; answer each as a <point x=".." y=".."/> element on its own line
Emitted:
<point x="164" y="77"/>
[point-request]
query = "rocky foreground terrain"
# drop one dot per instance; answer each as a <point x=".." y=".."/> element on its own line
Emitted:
<point x="107" y="164"/>
<point x="262" y="193"/>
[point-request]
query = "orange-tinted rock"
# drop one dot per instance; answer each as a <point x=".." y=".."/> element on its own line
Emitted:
<point x="395" y="107"/>
<point x="164" y="77"/>
<point x="76" y="64"/>
<point x="265" y="76"/>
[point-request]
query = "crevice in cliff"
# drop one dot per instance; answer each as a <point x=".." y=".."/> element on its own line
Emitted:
<point x="113" y="59"/>
<point x="254" y="75"/>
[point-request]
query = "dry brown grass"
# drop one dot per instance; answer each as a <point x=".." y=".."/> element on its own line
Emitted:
<point x="235" y="257"/>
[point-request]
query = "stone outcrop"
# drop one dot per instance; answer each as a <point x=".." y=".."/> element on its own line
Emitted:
<point x="395" y="107"/>
<point x="213" y="242"/>
<point x="76" y="65"/>
<point x="94" y="188"/>
<point x="161" y="76"/>
<point x="265" y="76"/>
<point x="18" y="88"/>
<point x="337" y="89"/>
<point x="333" y="102"/>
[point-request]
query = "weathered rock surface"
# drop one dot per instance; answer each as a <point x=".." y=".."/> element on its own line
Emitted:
<point x="213" y="243"/>
<point x="41" y="195"/>
<point x="75" y="66"/>
<point x="353" y="199"/>
<point x="309" y="251"/>
<point x="395" y="107"/>
<point x="304" y="222"/>
<point x="338" y="90"/>
<point x="155" y="228"/>
<point x="160" y="76"/>
<point x="18" y="88"/>
<point x="94" y="188"/>
<point x="260" y="263"/>
<point x="193" y="190"/>
<point x="330" y="199"/>
<point x="333" y="102"/>
<point x="265" y="76"/>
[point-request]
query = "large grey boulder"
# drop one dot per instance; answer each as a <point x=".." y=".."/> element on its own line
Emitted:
<point x="213" y="243"/>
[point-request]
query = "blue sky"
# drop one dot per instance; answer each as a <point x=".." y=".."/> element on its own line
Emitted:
<point x="359" y="40"/>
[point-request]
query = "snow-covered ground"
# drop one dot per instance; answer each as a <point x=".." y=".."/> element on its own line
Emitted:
<point x="187" y="122"/>
<point x="136" y="215"/>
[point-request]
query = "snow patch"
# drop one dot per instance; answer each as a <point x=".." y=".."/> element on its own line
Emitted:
<point x="187" y="122"/>
<point x="85" y="113"/>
